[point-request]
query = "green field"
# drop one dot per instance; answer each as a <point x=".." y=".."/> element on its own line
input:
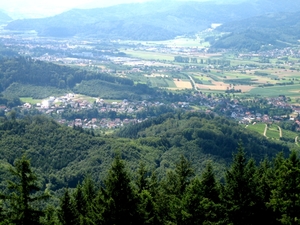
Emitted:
<point x="159" y="82"/>
<point x="242" y="70"/>
<point x="258" y="127"/>
<point x="288" y="90"/>
<point x="170" y="83"/>
<point x="273" y="132"/>
<point x="31" y="100"/>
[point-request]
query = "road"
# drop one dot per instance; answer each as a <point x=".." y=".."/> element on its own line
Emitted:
<point x="193" y="83"/>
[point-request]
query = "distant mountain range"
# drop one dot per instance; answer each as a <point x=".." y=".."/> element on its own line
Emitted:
<point x="267" y="31"/>
<point x="149" y="21"/>
<point x="4" y="18"/>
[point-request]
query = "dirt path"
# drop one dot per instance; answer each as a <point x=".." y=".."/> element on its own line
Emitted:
<point x="265" y="131"/>
<point x="280" y="131"/>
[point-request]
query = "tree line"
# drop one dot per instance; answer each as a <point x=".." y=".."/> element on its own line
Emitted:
<point x="25" y="70"/>
<point x="249" y="193"/>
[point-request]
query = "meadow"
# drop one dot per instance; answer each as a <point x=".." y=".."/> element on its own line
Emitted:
<point x="32" y="101"/>
<point x="257" y="127"/>
<point x="273" y="132"/>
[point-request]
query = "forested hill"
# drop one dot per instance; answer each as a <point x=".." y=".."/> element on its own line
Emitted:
<point x="196" y="134"/>
<point x="65" y="155"/>
<point x="25" y="77"/>
<point x="271" y="30"/>
<point x="168" y="174"/>
<point x="156" y="20"/>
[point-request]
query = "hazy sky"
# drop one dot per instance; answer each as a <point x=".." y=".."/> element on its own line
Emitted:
<point x="43" y="8"/>
<point x="39" y="7"/>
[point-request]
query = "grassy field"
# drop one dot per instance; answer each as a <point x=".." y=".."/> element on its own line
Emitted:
<point x="258" y="127"/>
<point x="158" y="82"/>
<point x="288" y="90"/>
<point x="31" y="100"/>
<point x="273" y="132"/>
<point x="249" y="74"/>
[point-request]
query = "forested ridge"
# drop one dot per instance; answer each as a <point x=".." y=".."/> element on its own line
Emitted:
<point x="25" y="77"/>
<point x="273" y="29"/>
<point x="63" y="156"/>
<point x="190" y="132"/>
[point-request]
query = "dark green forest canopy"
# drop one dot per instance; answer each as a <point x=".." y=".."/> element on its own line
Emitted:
<point x="65" y="155"/>
<point x="266" y="193"/>
<point x="216" y="136"/>
<point x="29" y="71"/>
<point x="25" y="77"/>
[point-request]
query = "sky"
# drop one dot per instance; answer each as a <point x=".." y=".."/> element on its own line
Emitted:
<point x="42" y="8"/>
<point x="38" y="8"/>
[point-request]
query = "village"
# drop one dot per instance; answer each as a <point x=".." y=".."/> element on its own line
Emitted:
<point x="116" y="114"/>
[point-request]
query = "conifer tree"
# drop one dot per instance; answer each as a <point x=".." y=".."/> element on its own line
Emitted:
<point x="91" y="214"/>
<point x="202" y="202"/>
<point x="265" y="176"/>
<point x="121" y="200"/>
<point x="209" y="185"/>
<point x="285" y="197"/>
<point x="240" y="194"/>
<point x="174" y="187"/>
<point x="20" y="200"/>
<point x="184" y="173"/>
<point x="50" y="216"/>
<point x="192" y="210"/>
<point x="67" y="213"/>
<point x="141" y="181"/>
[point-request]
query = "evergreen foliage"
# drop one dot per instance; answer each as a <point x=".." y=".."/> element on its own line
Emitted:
<point x="21" y="207"/>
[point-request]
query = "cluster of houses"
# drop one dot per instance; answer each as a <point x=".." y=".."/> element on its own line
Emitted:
<point x="231" y="107"/>
<point x="245" y="116"/>
<point x="58" y="105"/>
